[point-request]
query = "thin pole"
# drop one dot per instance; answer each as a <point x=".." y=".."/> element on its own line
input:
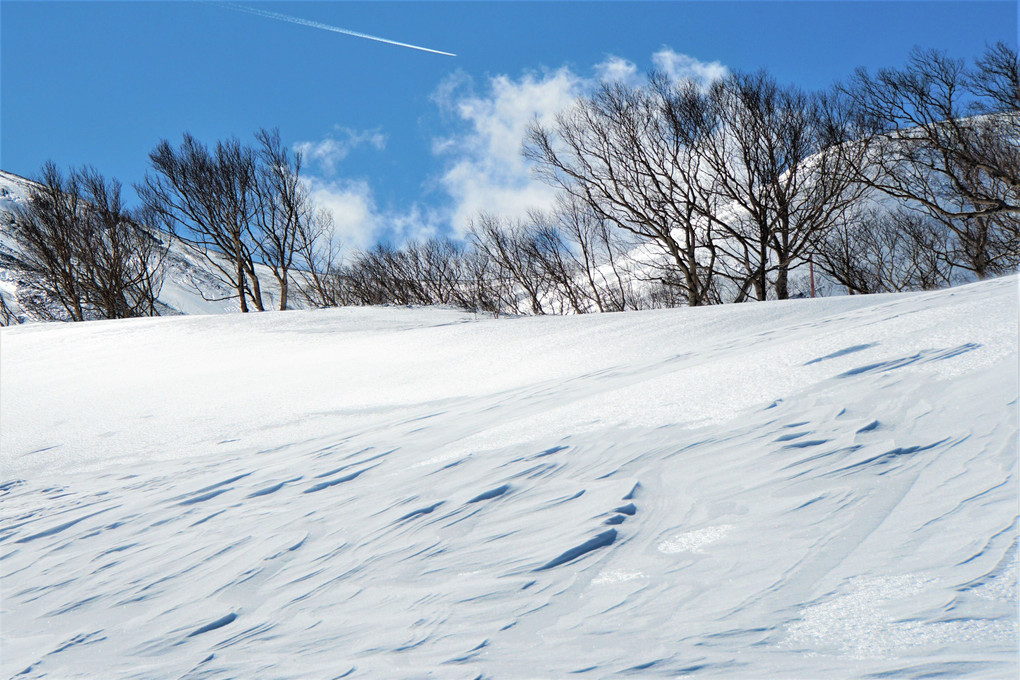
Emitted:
<point x="811" y="267"/>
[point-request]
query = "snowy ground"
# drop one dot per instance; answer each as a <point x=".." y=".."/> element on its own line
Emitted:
<point x="818" y="488"/>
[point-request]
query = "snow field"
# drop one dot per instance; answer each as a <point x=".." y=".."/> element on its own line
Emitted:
<point x="823" y="488"/>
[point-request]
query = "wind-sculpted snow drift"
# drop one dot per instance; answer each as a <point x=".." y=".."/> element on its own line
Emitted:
<point x="820" y="488"/>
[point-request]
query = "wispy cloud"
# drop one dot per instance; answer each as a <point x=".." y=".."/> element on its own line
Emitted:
<point x="685" y="67"/>
<point x="486" y="170"/>
<point x="356" y="218"/>
<point x="326" y="27"/>
<point x="327" y="153"/>
<point x="617" y="70"/>
<point x="359" y="222"/>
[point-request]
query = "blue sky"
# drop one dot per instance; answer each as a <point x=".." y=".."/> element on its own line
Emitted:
<point x="402" y="143"/>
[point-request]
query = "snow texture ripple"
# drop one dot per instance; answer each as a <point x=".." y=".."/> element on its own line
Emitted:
<point x="822" y="488"/>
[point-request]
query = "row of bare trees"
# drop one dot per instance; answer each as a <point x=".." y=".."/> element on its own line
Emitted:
<point x="567" y="261"/>
<point x="905" y="179"/>
<point x="86" y="252"/>
<point x="242" y="208"/>
<point x="731" y="183"/>
<point x="943" y="146"/>
<point x="238" y="206"/>
<point x="740" y="183"/>
<point x="670" y="193"/>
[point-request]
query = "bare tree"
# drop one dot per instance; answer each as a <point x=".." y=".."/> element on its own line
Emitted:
<point x="209" y="201"/>
<point x="580" y="255"/>
<point x="945" y="139"/>
<point x="882" y="251"/>
<point x="243" y="208"/>
<point x="284" y="212"/>
<point x="320" y="260"/>
<point x="738" y="180"/>
<point x="48" y="231"/>
<point x="621" y="153"/>
<point x="482" y="290"/>
<point x="90" y="254"/>
<point x="122" y="261"/>
<point x="555" y="263"/>
<point x="599" y="256"/>
<point x="389" y="276"/>
<point x="7" y="315"/>
<point x="516" y="271"/>
<point x="775" y="160"/>
<point x="438" y="264"/>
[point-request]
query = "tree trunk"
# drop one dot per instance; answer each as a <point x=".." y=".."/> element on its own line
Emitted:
<point x="283" y="292"/>
<point x="256" y="293"/>
<point x="239" y="279"/>
<point x="782" y="277"/>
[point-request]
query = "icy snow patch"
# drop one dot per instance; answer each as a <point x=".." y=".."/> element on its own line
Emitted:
<point x="694" y="541"/>
<point x="861" y="623"/>
<point x="617" y="576"/>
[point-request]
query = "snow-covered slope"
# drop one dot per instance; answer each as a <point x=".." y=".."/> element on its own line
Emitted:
<point x="817" y="488"/>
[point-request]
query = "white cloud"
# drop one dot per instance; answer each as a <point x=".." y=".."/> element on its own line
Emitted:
<point x="685" y="67"/>
<point x="617" y="69"/>
<point x="487" y="171"/>
<point x="356" y="220"/>
<point x="359" y="223"/>
<point x="328" y="152"/>
<point x="416" y="224"/>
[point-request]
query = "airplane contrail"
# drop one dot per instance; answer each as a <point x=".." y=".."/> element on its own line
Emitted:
<point x="326" y="27"/>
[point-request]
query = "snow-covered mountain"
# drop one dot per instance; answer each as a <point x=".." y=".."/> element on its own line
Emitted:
<point x="812" y="488"/>
<point x="191" y="284"/>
